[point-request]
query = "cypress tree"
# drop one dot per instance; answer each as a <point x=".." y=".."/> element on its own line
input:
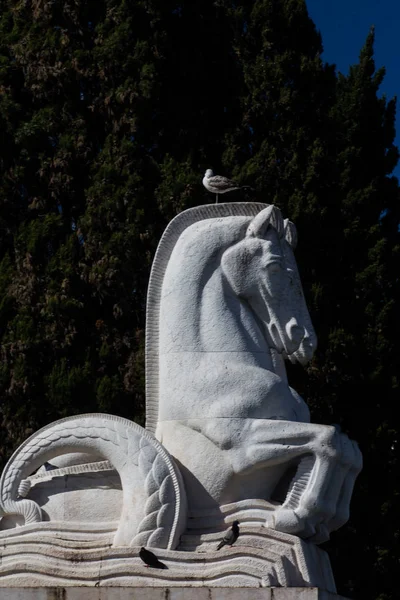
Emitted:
<point x="358" y="362"/>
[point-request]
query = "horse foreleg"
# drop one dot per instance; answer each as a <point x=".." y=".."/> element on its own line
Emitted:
<point x="344" y="496"/>
<point x="319" y="495"/>
<point x="324" y="505"/>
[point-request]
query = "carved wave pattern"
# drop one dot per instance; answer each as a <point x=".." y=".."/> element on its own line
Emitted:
<point x="254" y="513"/>
<point x="51" y="555"/>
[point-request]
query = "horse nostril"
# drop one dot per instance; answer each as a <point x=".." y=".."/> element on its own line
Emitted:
<point x="294" y="332"/>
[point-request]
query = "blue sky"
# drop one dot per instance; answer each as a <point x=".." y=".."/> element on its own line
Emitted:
<point x="344" y="25"/>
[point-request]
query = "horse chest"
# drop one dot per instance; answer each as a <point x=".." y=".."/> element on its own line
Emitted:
<point x="220" y="385"/>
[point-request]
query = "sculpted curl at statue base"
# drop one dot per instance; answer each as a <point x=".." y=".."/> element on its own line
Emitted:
<point x="226" y="437"/>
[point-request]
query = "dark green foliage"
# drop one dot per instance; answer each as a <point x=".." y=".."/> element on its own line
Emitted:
<point x="110" y="111"/>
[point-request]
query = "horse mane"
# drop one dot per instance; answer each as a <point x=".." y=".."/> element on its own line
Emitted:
<point x="167" y="243"/>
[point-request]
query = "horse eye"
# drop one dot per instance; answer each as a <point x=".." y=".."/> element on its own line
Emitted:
<point x="274" y="268"/>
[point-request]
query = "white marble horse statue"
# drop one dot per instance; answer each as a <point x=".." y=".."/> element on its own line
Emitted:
<point x="225" y="309"/>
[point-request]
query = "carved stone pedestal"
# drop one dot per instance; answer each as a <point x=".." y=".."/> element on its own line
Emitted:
<point x="187" y="593"/>
<point x="57" y="555"/>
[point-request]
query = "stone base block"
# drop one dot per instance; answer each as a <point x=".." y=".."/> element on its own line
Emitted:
<point x="61" y="556"/>
<point x="145" y="593"/>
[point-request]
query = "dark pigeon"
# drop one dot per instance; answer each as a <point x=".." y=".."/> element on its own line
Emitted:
<point x="231" y="536"/>
<point x="151" y="559"/>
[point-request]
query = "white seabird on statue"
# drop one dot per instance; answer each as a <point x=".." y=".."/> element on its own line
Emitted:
<point x="217" y="184"/>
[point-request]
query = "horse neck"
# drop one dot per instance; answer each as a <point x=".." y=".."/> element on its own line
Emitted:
<point x="199" y="310"/>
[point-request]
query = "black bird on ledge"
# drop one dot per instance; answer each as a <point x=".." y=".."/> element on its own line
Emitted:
<point x="231" y="536"/>
<point x="151" y="559"/>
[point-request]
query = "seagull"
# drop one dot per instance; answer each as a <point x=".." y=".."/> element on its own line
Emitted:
<point x="231" y="536"/>
<point x="151" y="559"/>
<point x="216" y="184"/>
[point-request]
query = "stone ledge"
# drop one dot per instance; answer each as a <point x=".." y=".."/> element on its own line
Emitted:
<point x="53" y="555"/>
<point x="133" y="593"/>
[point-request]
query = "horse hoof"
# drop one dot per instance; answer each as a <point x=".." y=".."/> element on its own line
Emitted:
<point x="285" y="520"/>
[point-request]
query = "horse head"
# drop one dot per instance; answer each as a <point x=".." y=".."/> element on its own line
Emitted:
<point x="261" y="270"/>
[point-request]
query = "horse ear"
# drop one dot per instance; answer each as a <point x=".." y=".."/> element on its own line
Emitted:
<point x="269" y="216"/>
<point x="290" y="233"/>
